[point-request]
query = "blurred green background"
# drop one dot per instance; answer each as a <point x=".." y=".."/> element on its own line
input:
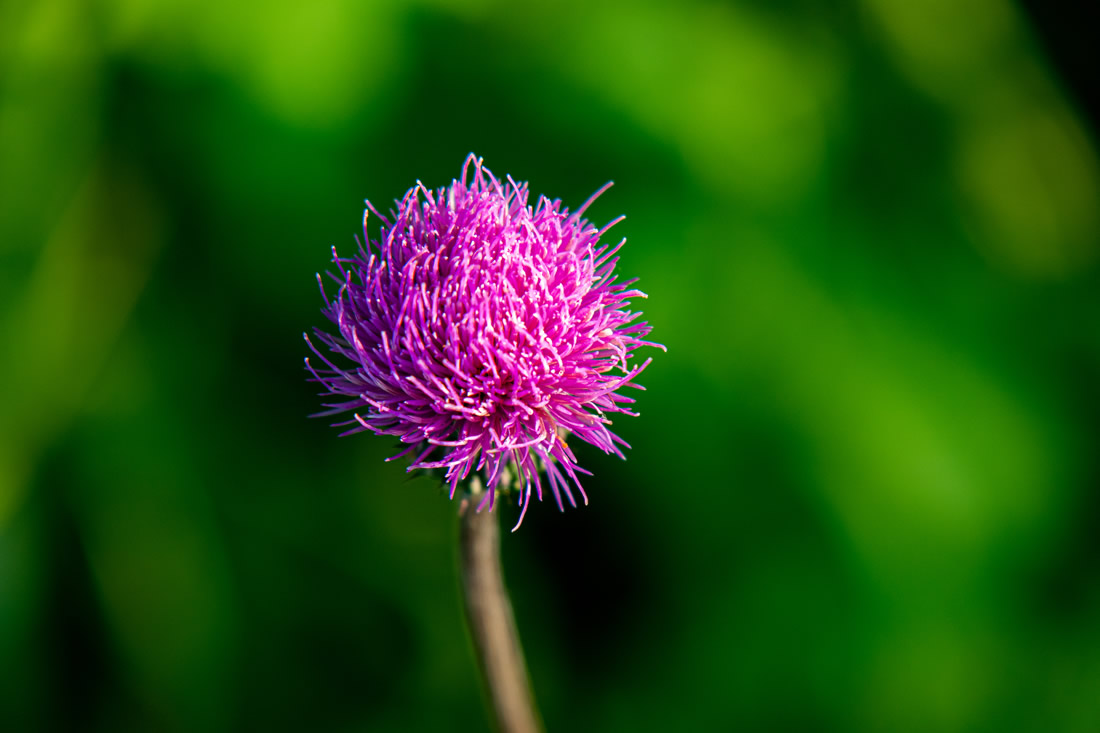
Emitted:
<point x="863" y="494"/>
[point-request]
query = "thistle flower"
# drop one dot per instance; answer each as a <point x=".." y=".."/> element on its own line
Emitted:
<point x="482" y="331"/>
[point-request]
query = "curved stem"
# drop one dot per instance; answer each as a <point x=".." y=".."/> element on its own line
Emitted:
<point x="490" y="620"/>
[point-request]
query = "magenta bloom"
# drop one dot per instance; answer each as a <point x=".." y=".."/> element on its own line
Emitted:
<point x="482" y="331"/>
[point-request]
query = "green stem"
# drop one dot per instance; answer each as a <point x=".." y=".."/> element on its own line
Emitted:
<point x="490" y="620"/>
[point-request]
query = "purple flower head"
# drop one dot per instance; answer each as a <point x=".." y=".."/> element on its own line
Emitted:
<point x="482" y="331"/>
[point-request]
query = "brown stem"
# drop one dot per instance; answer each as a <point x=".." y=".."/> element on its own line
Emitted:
<point x="492" y="625"/>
